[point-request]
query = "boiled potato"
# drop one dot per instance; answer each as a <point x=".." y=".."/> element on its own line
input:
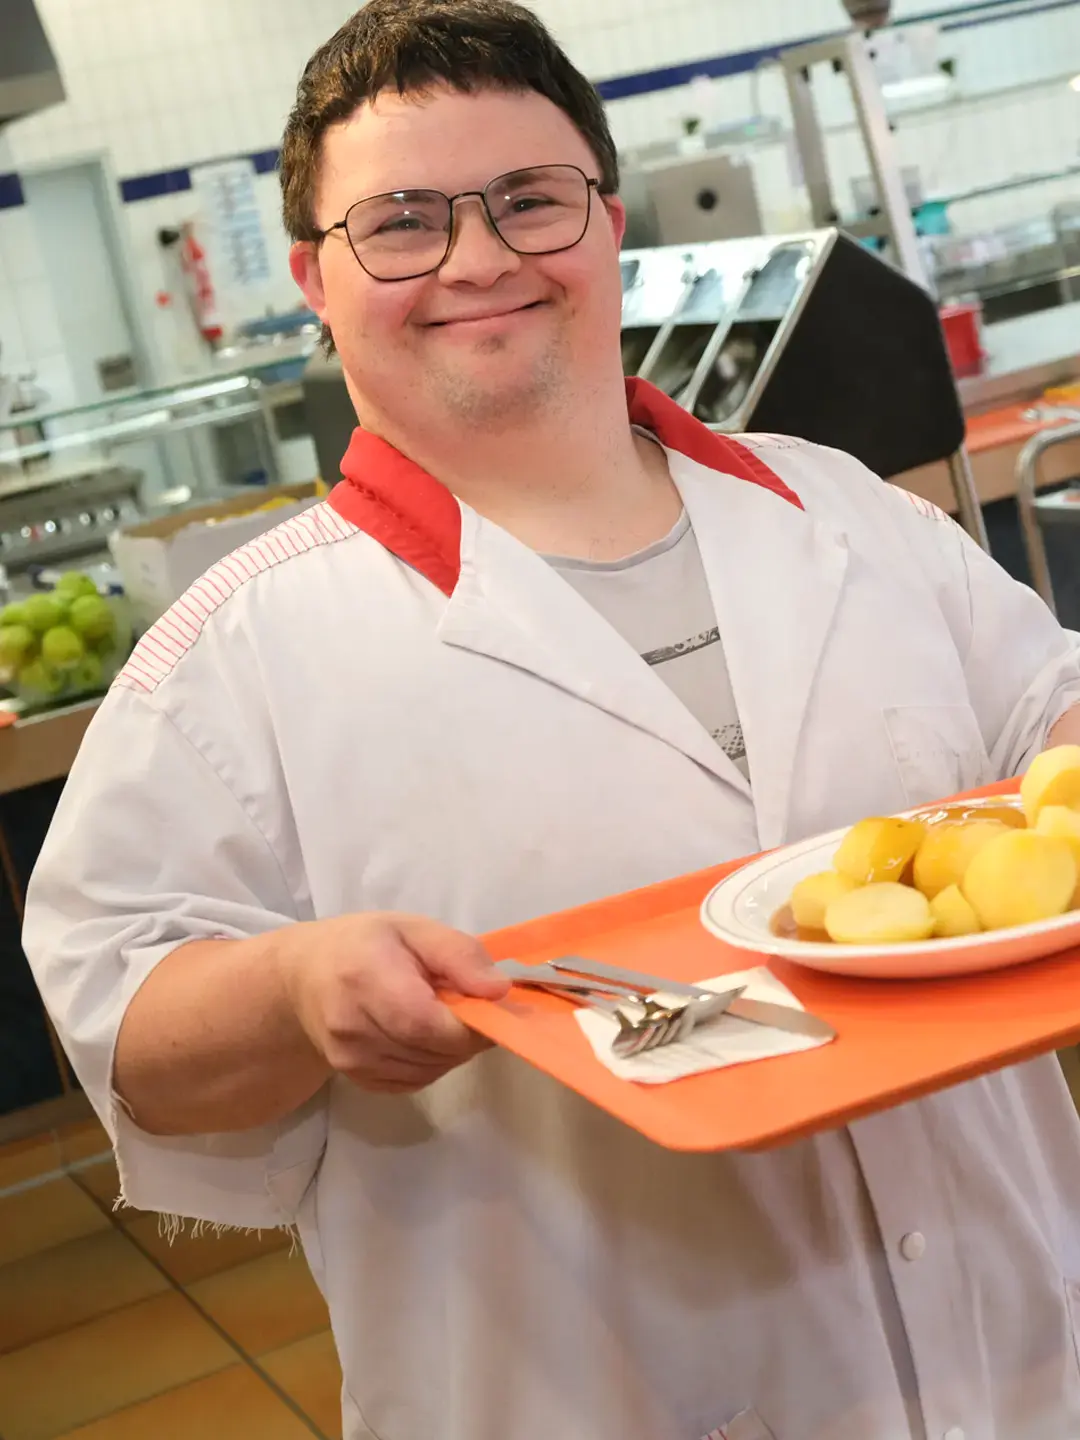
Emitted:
<point x="879" y="914"/>
<point x="878" y="850"/>
<point x="945" y="854"/>
<point x="952" y="914"/>
<point x="1053" y="778"/>
<point x="1019" y="878"/>
<point x="1065" y="824"/>
<point x="812" y="897"/>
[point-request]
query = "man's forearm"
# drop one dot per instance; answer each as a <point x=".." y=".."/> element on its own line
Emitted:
<point x="211" y="1043"/>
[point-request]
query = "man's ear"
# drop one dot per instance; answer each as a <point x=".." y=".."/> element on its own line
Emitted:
<point x="304" y="265"/>
<point x="617" y="214"/>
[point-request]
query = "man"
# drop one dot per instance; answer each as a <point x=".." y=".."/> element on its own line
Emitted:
<point x="428" y="698"/>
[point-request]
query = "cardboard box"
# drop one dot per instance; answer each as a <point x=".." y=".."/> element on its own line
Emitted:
<point x="159" y="559"/>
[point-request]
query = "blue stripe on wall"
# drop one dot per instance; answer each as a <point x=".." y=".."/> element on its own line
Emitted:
<point x="11" y="192"/>
<point x="619" y="87"/>
<point x="149" y="187"/>
<point x="1043" y="8"/>
<point x="719" y="67"/>
<point x="745" y="62"/>
<point x="265" y="161"/>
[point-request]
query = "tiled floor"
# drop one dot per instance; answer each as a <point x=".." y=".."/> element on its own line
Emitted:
<point x="108" y="1332"/>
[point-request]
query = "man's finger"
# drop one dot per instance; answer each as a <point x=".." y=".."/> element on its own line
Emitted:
<point x="405" y="1012"/>
<point x="454" y="961"/>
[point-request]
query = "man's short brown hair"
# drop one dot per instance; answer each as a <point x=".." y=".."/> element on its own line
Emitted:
<point x="412" y="45"/>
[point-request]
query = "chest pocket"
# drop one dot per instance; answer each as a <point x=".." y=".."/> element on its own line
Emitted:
<point x="938" y="750"/>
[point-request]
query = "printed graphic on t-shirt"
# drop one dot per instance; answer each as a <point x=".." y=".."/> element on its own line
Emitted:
<point x="728" y="737"/>
<point x="684" y="647"/>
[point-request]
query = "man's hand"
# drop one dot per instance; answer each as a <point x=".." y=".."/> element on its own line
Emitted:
<point x="364" y="989"/>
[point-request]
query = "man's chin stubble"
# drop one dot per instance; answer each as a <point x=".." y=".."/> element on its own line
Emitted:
<point x="500" y="406"/>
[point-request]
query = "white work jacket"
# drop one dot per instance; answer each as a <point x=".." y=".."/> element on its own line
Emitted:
<point x="389" y="703"/>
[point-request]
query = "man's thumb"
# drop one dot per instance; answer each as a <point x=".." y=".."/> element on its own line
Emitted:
<point x="454" y="961"/>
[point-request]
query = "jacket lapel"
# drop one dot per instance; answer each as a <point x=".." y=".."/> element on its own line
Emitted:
<point x="775" y="576"/>
<point x="510" y="605"/>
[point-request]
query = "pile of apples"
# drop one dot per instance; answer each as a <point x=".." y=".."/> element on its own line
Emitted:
<point x="899" y="881"/>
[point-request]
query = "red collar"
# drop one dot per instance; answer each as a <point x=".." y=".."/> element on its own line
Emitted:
<point x="416" y="518"/>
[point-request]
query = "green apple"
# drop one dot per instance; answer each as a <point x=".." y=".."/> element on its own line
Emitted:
<point x="91" y="617"/>
<point x="42" y="612"/>
<point x="40" y="678"/>
<point x="16" y="644"/>
<point x="74" y="583"/>
<point x="88" y="674"/>
<point x="61" y="647"/>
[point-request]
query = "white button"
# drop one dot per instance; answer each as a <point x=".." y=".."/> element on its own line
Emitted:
<point x="954" y="1434"/>
<point x="913" y="1247"/>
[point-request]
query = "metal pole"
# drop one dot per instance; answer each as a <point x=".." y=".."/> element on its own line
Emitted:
<point x="809" y="142"/>
<point x="967" y="498"/>
<point x="1027" y="486"/>
<point x="884" y="160"/>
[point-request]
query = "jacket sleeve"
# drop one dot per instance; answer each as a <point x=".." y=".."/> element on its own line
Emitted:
<point x="1022" y="667"/>
<point x="149" y="849"/>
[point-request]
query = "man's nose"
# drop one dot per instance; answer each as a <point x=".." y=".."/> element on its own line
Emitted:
<point x="477" y="256"/>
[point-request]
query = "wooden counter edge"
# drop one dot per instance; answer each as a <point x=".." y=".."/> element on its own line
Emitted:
<point x="37" y="748"/>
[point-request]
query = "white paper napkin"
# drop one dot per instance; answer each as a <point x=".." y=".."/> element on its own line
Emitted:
<point x="713" y="1045"/>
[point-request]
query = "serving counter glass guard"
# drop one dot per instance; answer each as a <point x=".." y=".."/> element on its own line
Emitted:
<point x="69" y="476"/>
<point x="809" y="335"/>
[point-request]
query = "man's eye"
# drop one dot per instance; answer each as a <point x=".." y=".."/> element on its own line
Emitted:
<point x="402" y="222"/>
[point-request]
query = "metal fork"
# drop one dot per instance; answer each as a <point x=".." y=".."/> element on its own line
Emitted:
<point x="646" y="1020"/>
<point x="656" y="1024"/>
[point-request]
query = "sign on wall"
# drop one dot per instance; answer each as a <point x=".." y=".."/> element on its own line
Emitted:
<point x="231" y="226"/>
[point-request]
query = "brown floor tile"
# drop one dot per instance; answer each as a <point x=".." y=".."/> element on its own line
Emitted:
<point x="46" y="1215"/>
<point x="82" y="1140"/>
<point x="189" y="1258"/>
<point x="310" y="1373"/>
<point x="42" y="1294"/>
<point x="231" y="1405"/>
<point x="103" y="1182"/>
<point x="263" y="1304"/>
<point x="105" y="1365"/>
<point x="26" y="1159"/>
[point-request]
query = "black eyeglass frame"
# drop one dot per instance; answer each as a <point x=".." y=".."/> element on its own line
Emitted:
<point x="591" y="184"/>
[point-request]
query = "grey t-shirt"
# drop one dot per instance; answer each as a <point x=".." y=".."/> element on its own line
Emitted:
<point x="658" y="600"/>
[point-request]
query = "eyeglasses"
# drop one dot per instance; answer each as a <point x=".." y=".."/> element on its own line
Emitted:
<point x="408" y="233"/>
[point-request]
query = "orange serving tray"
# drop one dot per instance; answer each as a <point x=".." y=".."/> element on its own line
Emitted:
<point x="896" y="1040"/>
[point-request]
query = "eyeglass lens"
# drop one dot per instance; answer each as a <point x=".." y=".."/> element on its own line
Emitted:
<point x="407" y="233"/>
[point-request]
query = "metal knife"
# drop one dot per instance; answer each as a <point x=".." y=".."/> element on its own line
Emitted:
<point x="547" y="977"/>
<point x="757" y="1012"/>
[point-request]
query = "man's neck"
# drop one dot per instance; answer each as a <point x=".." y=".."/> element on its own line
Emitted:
<point x="570" y="482"/>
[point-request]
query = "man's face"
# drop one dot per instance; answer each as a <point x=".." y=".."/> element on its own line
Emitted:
<point x="492" y="334"/>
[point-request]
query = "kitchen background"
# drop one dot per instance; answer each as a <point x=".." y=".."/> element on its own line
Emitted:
<point x="157" y="89"/>
<point x="155" y="356"/>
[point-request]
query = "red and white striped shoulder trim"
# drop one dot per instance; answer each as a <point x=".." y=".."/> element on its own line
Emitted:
<point x="163" y="646"/>
<point x="926" y="508"/>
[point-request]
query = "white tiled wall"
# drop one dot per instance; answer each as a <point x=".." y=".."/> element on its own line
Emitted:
<point x="159" y="85"/>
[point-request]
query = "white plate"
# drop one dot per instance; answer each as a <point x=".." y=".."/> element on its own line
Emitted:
<point x="740" y="910"/>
